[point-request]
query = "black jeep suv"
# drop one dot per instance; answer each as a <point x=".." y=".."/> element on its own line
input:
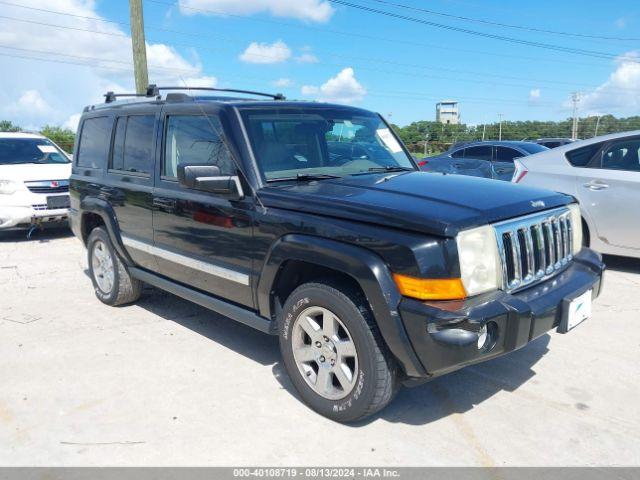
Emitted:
<point x="311" y="221"/>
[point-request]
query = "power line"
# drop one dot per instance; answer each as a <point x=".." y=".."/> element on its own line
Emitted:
<point x="507" y="25"/>
<point x="399" y="41"/>
<point x="536" y="83"/>
<point x="400" y="94"/>
<point x="548" y="46"/>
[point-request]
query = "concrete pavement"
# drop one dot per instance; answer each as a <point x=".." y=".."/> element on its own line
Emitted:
<point x="166" y="382"/>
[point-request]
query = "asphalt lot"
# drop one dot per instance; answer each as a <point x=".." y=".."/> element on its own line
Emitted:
<point x="166" y="382"/>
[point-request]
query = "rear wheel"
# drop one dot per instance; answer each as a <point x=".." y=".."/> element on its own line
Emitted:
<point x="334" y="353"/>
<point x="111" y="280"/>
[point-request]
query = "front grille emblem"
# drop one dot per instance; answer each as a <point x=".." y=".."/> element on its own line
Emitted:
<point x="538" y="204"/>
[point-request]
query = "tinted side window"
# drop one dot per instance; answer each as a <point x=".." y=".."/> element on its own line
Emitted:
<point x="479" y="153"/>
<point x="195" y="139"/>
<point x="117" y="155"/>
<point x="581" y="156"/>
<point x="504" y="154"/>
<point x="622" y="156"/>
<point x="458" y="154"/>
<point x="138" y="144"/>
<point x="95" y="138"/>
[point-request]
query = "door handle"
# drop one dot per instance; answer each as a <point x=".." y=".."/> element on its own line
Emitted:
<point x="595" y="186"/>
<point x="164" y="203"/>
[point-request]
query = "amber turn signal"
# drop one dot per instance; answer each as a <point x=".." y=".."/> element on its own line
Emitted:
<point x="430" y="288"/>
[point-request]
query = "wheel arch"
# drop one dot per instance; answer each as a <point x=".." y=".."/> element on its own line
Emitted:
<point x="98" y="212"/>
<point x="299" y="258"/>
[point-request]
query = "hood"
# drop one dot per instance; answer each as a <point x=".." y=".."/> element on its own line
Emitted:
<point x="431" y="203"/>
<point x="35" y="171"/>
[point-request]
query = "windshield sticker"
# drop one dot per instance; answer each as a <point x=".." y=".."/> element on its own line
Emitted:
<point x="389" y="140"/>
<point x="47" y="149"/>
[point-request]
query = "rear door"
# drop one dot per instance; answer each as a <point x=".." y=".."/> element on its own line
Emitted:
<point x="201" y="239"/>
<point x="502" y="166"/>
<point x="476" y="161"/>
<point x="129" y="180"/>
<point x="610" y="192"/>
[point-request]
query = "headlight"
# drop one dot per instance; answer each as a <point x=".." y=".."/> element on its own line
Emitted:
<point x="8" y="187"/>
<point x="576" y="227"/>
<point x="479" y="260"/>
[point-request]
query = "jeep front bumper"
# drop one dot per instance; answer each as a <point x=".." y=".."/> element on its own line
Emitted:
<point x="445" y="335"/>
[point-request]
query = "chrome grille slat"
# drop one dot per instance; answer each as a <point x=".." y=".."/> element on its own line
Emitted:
<point x="534" y="248"/>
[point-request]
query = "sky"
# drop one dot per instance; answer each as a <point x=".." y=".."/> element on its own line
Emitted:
<point x="56" y="56"/>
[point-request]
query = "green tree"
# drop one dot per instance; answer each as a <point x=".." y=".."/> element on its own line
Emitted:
<point x="8" y="126"/>
<point x="62" y="136"/>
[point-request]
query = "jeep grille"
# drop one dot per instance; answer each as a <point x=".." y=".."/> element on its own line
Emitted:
<point x="534" y="248"/>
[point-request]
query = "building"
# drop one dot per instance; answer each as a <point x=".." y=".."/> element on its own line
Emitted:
<point x="447" y="112"/>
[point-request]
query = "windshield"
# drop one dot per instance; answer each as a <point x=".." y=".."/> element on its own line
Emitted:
<point x="533" y="147"/>
<point x="296" y="143"/>
<point x="14" y="151"/>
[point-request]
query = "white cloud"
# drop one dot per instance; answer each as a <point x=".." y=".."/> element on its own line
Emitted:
<point x="534" y="95"/>
<point x="72" y="122"/>
<point x="54" y="77"/>
<point x="620" y="94"/>
<point x="308" y="90"/>
<point x="276" y="52"/>
<point x="312" y="10"/>
<point x="621" y="23"/>
<point x="283" y="82"/>
<point x="343" y="88"/>
<point x="33" y="101"/>
<point x="307" y="58"/>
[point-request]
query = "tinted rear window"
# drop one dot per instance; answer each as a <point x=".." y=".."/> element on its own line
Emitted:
<point x="94" y="142"/>
<point x="138" y="144"/>
<point x="533" y="148"/>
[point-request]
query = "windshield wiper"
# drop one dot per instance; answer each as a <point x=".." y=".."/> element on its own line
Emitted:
<point x="304" y="177"/>
<point x="391" y="168"/>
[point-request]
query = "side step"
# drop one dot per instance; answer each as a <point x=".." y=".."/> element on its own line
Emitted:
<point x="234" y="312"/>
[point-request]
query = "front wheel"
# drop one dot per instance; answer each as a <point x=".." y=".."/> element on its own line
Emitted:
<point x="334" y="353"/>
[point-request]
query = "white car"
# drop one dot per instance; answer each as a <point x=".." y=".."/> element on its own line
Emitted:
<point x="34" y="181"/>
<point x="603" y="173"/>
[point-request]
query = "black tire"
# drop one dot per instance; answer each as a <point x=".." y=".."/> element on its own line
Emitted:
<point x="377" y="373"/>
<point x="124" y="289"/>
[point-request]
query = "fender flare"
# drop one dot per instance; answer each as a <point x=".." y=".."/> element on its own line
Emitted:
<point x="365" y="267"/>
<point x="102" y="208"/>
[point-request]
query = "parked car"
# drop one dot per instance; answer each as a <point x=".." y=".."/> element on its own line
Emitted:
<point x="312" y="222"/>
<point x="34" y="181"/>
<point x="553" y="142"/>
<point x="603" y="173"/>
<point x="482" y="159"/>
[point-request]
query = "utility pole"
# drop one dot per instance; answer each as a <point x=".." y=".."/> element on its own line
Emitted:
<point x="500" y="115"/>
<point x="426" y="143"/>
<point x="575" y="98"/>
<point x="484" y="130"/>
<point x="595" y="134"/>
<point x="139" y="47"/>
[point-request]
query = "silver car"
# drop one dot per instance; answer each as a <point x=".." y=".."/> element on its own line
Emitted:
<point x="603" y="173"/>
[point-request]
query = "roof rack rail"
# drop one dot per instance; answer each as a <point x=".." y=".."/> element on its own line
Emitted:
<point x="154" y="90"/>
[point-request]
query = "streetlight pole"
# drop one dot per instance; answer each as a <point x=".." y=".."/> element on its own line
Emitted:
<point x="500" y="115"/>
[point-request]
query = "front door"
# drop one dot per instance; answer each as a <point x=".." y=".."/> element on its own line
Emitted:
<point x="201" y="239"/>
<point x="610" y="191"/>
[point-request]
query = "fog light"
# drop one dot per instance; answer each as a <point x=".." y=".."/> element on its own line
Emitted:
<point x="483" y="337"/>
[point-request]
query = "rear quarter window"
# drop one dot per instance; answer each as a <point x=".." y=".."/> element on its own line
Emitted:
<point x="95" y="137"/>
<point x="580" y="157"/>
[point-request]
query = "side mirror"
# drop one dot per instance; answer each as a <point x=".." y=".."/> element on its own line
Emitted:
<point x="208" y="179"/>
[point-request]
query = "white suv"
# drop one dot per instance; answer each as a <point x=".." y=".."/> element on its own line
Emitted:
<point x="34" y="181"/>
